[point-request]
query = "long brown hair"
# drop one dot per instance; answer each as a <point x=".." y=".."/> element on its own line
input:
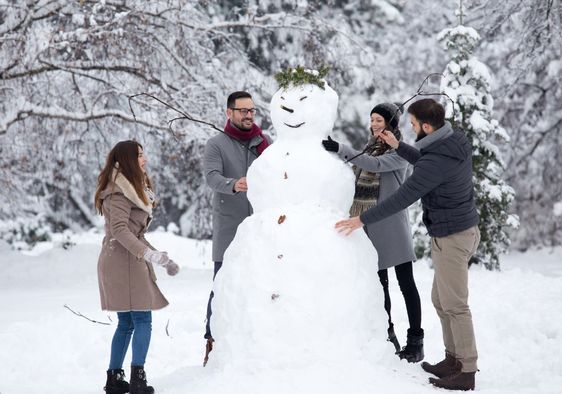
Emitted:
<point x="124" y="159"/>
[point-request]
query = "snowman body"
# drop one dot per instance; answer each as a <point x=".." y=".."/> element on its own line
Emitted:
<point x="292" y="290"/>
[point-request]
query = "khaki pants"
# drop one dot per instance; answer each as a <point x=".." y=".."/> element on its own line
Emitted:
<point x="449" y="294"/>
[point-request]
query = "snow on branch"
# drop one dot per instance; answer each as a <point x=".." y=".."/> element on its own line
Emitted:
<point x="27" y="109"/>
<point x="136" y="71"/>
<point x="280" y="20"/>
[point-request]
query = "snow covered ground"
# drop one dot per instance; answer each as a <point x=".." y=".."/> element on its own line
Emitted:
<point x="44" y="348"/>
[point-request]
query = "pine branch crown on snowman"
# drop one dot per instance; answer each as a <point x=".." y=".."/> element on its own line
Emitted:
<point x="301" y="76"/>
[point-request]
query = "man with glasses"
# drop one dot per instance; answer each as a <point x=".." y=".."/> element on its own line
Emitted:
<point x="227" y="158"/>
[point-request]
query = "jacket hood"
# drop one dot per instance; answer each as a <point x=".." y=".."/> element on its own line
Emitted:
<point x="120" y="184"/>
<point x="450" y="143"/>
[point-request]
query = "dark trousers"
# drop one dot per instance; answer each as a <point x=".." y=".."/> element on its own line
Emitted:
<point x="218" y="265"/>
<point x="405" y="277"/>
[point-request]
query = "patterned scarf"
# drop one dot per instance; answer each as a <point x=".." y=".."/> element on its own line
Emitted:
<point x="367" y="184"/>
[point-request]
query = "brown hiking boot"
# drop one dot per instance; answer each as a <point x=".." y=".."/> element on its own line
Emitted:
<point x="460" y="381"/>
<point x="447" y="367"/>
<point x="208" y="348"/>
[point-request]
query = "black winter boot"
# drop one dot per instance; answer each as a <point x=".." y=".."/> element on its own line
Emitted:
<point x="413" y="351"/>
<point x="138" y="381"/>
<point x="116" y="383"/>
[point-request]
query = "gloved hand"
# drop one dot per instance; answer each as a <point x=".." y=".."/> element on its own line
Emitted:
<point x="330" y="145"/>
<point x="172" y="268"/>
<point x="156" y="257"/>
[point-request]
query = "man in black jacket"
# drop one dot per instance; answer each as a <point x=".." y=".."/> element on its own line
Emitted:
<point x="442" y="178"/>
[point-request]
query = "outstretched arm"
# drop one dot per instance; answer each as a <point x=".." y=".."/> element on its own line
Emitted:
<point x="384" y="163"/>
<point x="426" y="176"/>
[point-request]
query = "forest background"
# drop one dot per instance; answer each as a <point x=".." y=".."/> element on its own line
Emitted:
<point x="71" y="73"/>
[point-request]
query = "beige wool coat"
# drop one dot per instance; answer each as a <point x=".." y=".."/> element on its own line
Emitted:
<point x="126" y="281"/>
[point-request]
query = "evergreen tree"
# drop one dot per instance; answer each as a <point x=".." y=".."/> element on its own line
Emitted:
<point x="468" y="82"/>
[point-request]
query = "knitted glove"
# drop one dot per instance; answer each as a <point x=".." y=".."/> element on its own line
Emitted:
<point x="172" y="268"/>
<point x="330" y="145"/>
<point x="156" y="257"/>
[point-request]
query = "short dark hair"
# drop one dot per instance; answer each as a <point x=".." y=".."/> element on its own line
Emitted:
<point x="231" y="101"/>
<point x="428" y="111"/>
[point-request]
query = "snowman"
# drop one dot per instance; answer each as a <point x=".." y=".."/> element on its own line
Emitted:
<point x="292" y="290"/>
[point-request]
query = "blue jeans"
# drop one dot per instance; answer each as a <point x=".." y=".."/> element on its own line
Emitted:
<point x="137" y="325"/>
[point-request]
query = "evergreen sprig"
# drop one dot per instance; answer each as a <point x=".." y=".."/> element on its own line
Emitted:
<point x="299" y="76"/>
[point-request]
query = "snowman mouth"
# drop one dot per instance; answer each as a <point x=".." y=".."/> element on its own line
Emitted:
<point x="294" y="126"/>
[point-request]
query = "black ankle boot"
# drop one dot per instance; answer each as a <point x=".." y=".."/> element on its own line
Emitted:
<point x="138" y="381"/>
<point x="413" y="351"/>
<point x="116" y="383"/>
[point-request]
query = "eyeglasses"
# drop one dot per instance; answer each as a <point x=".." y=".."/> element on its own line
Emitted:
<point x="245" y="111"/>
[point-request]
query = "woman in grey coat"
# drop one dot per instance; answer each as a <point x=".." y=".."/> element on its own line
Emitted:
<point x="379" y="173"/>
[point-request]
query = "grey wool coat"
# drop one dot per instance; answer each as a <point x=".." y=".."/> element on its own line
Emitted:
<point x="126" y="281"/>
<point x="391" y="237"/>
<point x="227" y="160"/>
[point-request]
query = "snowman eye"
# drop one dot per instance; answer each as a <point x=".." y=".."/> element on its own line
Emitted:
<point x="303" y="97"/>
<point x="282" y="98"/>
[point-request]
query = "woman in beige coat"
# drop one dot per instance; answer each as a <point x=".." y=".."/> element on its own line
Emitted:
<point x="127" y="282"/>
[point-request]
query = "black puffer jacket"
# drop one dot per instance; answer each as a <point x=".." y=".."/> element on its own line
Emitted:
<point x="442" y="178"/>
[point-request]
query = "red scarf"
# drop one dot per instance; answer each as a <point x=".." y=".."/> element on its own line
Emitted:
<point x="241" y="135"/>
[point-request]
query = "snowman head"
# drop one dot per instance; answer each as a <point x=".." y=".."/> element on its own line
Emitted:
<point x="304" y="110"/>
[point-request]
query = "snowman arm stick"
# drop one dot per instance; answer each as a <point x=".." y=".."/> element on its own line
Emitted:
<point x="184" y="114"/>
<point x="384" y="163"/>
<point x="213" y="169"/>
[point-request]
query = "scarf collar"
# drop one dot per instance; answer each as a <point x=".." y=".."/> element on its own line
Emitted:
<point x="130" y="192"/>
<point x="367" y="184"/>
<point x="443" y="132"/>
<point x="242" y="135"/>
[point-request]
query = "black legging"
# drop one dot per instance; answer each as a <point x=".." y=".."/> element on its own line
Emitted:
<point x="405" y="277"/>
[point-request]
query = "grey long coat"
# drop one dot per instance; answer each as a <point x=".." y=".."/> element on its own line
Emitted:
<point x="227" y="160"/>
<point x="391" y="237"/>
<point x="126" y="281"/>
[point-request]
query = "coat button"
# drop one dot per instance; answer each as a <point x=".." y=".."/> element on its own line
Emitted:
<point x="222" y="201"/>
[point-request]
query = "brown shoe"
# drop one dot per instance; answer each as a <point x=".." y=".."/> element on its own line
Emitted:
<point x="208" y="348"/>
<point x="447" y="367"/>
<point x="460" y="381"/>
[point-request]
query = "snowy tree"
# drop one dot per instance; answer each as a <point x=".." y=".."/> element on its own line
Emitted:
<point x="71" y="73"/>
<point x="467" y="82"/>
<point x="522" y="43"/>
<point x="67" y="70"/>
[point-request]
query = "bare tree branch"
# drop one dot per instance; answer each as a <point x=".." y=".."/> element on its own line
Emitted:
<point x="87" y="318"/>
<point x="28" y="110"/>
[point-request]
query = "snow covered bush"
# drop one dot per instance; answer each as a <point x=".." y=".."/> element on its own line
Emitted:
<point x="24" y="233"/>
<point x="422" y="241"/>
<point x="467" y="82"/>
